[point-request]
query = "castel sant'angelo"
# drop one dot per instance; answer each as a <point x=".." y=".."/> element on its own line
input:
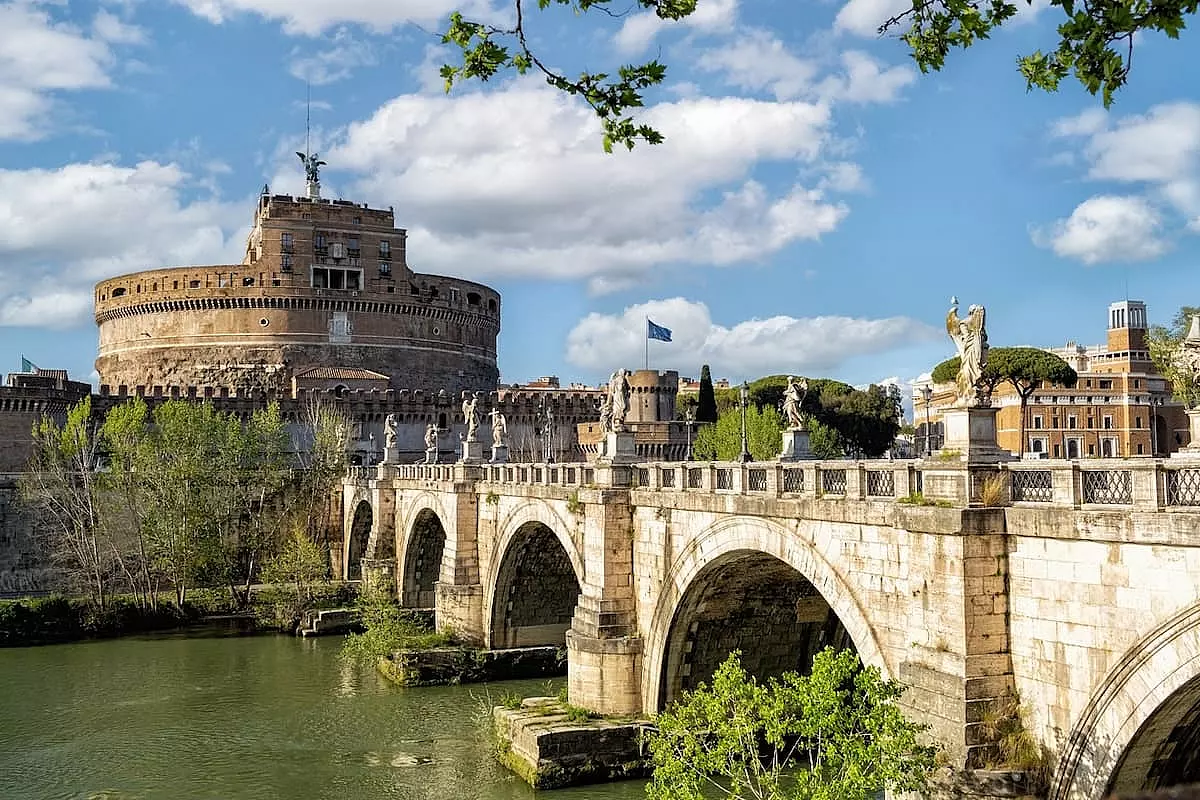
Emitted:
<point x="323" y="293"/>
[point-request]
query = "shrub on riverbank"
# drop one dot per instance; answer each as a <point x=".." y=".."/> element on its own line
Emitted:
<point x="56" y="619"/>
<point x="60" y="619"/>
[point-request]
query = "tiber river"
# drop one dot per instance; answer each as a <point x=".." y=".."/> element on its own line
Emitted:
<point x="254" y="718"/>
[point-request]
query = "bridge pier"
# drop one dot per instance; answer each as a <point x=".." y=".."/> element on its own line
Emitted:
<point x="459" y="590"/>
<point x="604" y="662"/>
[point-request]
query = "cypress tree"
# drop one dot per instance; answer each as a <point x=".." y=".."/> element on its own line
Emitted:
<point x="706" y="411"/>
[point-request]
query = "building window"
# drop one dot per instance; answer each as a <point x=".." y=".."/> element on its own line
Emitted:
<point x="385" y="268"/>
<point x="285" y="262"/>
<point x="319" y="242"/>
<point x="454" y="295"/>
<point x="247" y="281"/>
<point x="352" y="247"/>
<point x="1137" y="422"/>
<point x="1106" y="384"/>
<point x="1057" y="451"/>
<point x="1137" y="383"/>
<point x="385" y="249"/>
<point x="336" y="278"/>
<point x="1140" y="451"/>
<point x="1037" y="422"/>
<point x="1072" y="421"/>
<point x="286" y="242"/>
<point x="1054" y="422"/>
<point x="473" y="299"/>
<point x="1091" y="422"/>
<point x="1108" y="422"/>
<point x="174" y="284"/>
<point x="1091" y="449"/>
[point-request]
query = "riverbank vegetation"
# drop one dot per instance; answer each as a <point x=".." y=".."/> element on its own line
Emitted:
<point x="834" y="733"/>
<point x="148" y="503"/>
<point x="387" y="628"/>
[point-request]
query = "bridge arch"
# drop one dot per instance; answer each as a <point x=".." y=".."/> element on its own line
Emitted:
<point x="421" y="559"/>
<point x="1141" y="728"/>
<point x="749" y="562"/>
<point x="534" y="579"/>
<point x="358" y="537"/>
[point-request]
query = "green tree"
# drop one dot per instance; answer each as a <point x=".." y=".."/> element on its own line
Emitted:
<point x="706" y="411"/>
<point x="722" y="440"/>
<point x="325" y="435"/>
<point x="61" y="484"/>
<point x="1094" y="42"/>
<point x="825" y="441"/>
<point x="125" y="436"/>
<point x="1164" y="342"/>
<point x="835" y="734"/>
<point x="1026" y="369"/>
<point x="294" y="572"/>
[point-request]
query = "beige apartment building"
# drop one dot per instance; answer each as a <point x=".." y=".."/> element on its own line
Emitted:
<point x="1121" y="406"/>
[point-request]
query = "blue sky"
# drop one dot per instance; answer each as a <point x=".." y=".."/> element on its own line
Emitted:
<point x="816" y="203"/>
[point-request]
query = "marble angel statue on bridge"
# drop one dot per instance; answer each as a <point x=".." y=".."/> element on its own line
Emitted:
<point x="793" y="401"/>
<point x="970" y="338"/>
<point x="470" y="410"/>
<point x="499" y="428"/>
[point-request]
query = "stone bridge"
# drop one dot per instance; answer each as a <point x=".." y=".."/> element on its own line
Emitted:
<point x="1074" y="585"/>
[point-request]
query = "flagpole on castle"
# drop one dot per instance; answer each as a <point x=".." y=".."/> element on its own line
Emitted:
<point x="646" y="331"/>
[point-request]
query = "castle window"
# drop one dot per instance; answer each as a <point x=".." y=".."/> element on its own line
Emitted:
<point x="174" y="284"/>
<point x="1137" y="422"/>
<point x="1137" y="383"/>
<point x="454" y="295"/>
<point x="1037" y="422"/>
<point x="340" y="390"/>
<point x="385" y="249"/>
<point x="194" y="284"/>
<point x="492" y="304"/>
<point x="352" y="247"/>
<point x="414" y="290"/>
<point x="1072" y="421"/>
<point x="1106" y="384"/>
<point x="319" y="242"/>
<point x="286" y="243"/>
<point x="1107" y="422"/>
<point x="1140" y="451"/>
<point x="442" y="421"/>
<point x="285" y="263"/>
<point x="473" y="298"/>
<point x="118" y="292"/>
<point x="385" y="268"/>
<point x="358" y="220"/>
<point x="247" y="281"/>
<point x="433" y="291"/>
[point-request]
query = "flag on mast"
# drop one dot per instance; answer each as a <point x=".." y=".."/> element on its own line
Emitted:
<point x="657" y="332"/>
<point x="27" y="365"/>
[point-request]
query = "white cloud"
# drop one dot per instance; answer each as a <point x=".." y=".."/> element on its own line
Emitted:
<point x="866" y="80"/>
<point x="806" y="346"/>
<point x="312" y="17"/>
<point x="1106" y="228"/>
<point x="758" y="61"/>
<point x="514" y="182"/>
<point x="61" y="230"/>
<point x="110" y="28"/>
<point x="39" y="56"/>
<point x="639" y="30"/>
<point x="334" y="63"/>
<point x="1158" y="150"/>
<point x="863" y="17"/>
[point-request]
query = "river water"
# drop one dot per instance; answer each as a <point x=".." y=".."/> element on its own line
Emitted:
<point x="243" y="718"/>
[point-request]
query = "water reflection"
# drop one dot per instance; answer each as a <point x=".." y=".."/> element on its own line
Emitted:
<point x="240" y="719"/>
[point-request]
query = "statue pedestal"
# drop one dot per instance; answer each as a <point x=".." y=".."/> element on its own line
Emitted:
<point x="795" y="445"/>
<point x="499" y="454"/>
<point x="970" y="437"/>
<point x="618" y="447"/>
<point x="472" y="452"/>
<point x="431" y="455"/>
<point x="1192" y="450"/>
<point x="391" y="455"/>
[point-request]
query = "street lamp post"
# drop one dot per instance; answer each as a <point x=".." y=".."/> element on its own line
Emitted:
<point x="927" y="396"/>
<point x="745" y="394"/>
<point x="689" y="419"/>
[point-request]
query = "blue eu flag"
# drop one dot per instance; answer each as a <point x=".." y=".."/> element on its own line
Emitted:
<point x="657" y="332"/>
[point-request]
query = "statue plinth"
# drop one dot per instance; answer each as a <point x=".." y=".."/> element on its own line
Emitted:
<point x="1192" y="450"/>
<point x="391" y="455"/>
<point x="618" y="447"/>
<point x="431" y="455"/>
<point x="970" y="436"/>
<point x="795" y="445"/>
<point x="472" y="451"/>
<point x="499" y="454"/>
